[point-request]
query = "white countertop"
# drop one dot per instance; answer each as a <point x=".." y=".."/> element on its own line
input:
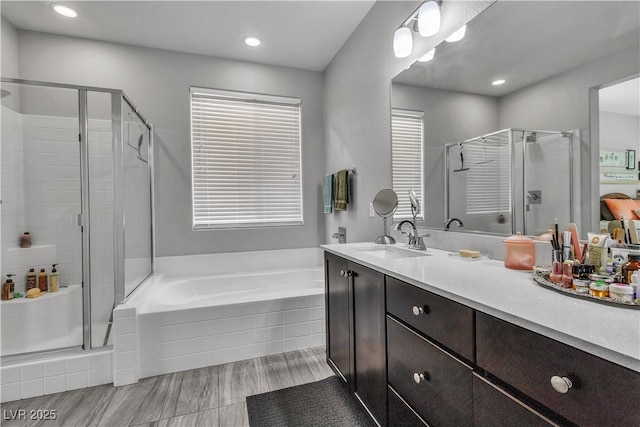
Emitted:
<point x="610" y="332"/>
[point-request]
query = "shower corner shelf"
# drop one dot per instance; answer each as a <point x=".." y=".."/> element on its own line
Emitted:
<point x="33" y="248"/>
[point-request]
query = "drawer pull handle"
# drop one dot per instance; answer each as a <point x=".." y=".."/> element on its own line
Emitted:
<point x="418" y="378"/>
<point x="417" y="311"/>
<point x="561" y="384"/>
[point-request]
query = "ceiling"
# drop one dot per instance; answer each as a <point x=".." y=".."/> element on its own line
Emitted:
<point x="299" y="34"/>
<point x="525" y="42"/>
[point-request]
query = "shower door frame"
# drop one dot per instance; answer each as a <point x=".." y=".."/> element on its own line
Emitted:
<point x="512" y="184"/>
<point x="83" y="218"/>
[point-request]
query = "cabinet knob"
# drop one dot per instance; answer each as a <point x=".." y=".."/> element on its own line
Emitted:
<point x="561" y="384"/>
<point x="343" y="273"/>
<point x="418" y="378"/>
<point x="417" y="311"/>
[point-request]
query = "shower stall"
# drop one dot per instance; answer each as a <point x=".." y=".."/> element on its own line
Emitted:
<point x="77" y="174"/>
<point x="510" y="180"/>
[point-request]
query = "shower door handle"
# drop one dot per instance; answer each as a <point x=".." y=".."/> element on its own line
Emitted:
<point x="79" y="220"/>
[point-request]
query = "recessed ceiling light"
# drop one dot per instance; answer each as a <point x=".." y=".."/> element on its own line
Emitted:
<point x="252" y="41"/>
<point x="498" y="82"/>
<point x="64" y="10"/>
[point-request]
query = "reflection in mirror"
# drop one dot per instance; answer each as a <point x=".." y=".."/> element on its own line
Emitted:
<point x="550" y="55"/>
<point x="385" y="204"/>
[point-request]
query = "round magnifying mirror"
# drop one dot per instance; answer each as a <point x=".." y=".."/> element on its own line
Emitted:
<point x="385" y="202"/>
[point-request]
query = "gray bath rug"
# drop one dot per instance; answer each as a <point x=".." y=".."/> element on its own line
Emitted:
<point x="325" y="403"/>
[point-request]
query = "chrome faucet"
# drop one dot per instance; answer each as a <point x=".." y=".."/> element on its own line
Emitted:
<point x="448" y="222"/>
<point x="415" y="241"/>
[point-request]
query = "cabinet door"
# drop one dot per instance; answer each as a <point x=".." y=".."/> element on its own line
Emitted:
<point x="369" y="340"/>
<point x="493" y="406"/>
<point x="337" y="313"/>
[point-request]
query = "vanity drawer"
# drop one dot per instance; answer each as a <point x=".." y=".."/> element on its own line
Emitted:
<point x="602" y="393"/>
<point x="492" y="406"/>
<point x="446" y="321"/>
<point x="400" y="414"/>
<point x="443" y="396"/>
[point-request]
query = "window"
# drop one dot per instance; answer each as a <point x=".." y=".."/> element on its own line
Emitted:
<point x="245" y="154"/>
<point x="488" y="178"/>
<point x="406" y="159"/>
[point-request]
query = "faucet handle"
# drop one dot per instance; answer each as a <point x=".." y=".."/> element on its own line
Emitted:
<point x="420" y="242"/>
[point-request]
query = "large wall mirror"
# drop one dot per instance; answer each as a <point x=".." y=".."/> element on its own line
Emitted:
<point x="516" y="155"/>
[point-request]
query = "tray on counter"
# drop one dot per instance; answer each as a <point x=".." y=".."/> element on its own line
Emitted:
<point x="541" y="277"/>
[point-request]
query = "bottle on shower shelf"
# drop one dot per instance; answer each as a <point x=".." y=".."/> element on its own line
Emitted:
<point x="32" y="279"/>
<point x="43" y="281"/>
<point x="54" y="280"/>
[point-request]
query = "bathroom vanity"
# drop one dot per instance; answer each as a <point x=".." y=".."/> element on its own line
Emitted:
<point x="424" y="338"/>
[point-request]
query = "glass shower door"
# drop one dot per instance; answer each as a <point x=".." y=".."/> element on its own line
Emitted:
<point x="41" y="194"/>
<point x="547" y="180"/>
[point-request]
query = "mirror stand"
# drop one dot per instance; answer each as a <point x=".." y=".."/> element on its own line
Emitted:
<point x="385" y="239"/>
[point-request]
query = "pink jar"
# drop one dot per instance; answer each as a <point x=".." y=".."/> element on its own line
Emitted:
<point x="519" y="252"/>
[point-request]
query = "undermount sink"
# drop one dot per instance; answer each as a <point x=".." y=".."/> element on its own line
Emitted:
<point x="390" y="252"/>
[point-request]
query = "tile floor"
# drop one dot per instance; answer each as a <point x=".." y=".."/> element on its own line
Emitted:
<point x="212" y="396"/>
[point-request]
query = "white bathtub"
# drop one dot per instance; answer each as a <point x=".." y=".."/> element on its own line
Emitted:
<point x="175" y="323"/>
<point x="217" y="290"/>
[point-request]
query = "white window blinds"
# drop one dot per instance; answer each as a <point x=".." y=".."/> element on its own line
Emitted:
<point x="245" y="152"/>
<point x="488" y="178"/>
<point x="406" y="159"/>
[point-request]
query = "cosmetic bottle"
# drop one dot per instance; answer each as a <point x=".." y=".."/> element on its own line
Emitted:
<point x="567" y="274"/>
<point x="54" y="280"/>
<point x="43" y="281"/>
<point x="621" y="292"/>
<point x="7" y="288"/>
<point x="25" y="240"/>
<point x="32" y="279"/>
<point x="630" y="267"/>
<point x="556" y="267"/>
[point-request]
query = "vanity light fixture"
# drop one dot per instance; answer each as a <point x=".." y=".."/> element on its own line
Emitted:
<point x="457" y="35"/>
<point x="64" y="10"/>
<point x="498" y="82"/>
<point x="402" y="42"/>
<point x="429" y="18"/>
<point x="252" y="41"/>
<point x="427" y="56"/>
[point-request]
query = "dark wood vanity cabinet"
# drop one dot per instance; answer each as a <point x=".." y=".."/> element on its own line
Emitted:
<point x="592" y="391"/>
<point x="436" y="385"/>
<point x="493" y="406"/>
<point x="415" y="358"/>
<point x="355" y="314"/>
<point x="338" y="300"/>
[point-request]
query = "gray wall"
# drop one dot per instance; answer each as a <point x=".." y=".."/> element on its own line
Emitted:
<point x="9" y="49"/>
<point x="357" y="101"/>
<point x="158" y="82"/>
<point x="448" y="117"/>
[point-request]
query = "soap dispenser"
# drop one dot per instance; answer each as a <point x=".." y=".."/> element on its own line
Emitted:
<point x="8" y="288"/>
<point x="54" y="280"/>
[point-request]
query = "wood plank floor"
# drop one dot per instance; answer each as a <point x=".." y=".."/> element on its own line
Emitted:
<point x="208" y="397"/>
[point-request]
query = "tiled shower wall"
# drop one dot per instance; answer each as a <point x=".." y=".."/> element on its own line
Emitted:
<point x="41" y="194"/>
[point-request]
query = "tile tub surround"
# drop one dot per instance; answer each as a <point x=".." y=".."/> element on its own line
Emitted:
<point x="54" y="375"/>
<point x="153" y="343"/>
<point x="512" y="296"/>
